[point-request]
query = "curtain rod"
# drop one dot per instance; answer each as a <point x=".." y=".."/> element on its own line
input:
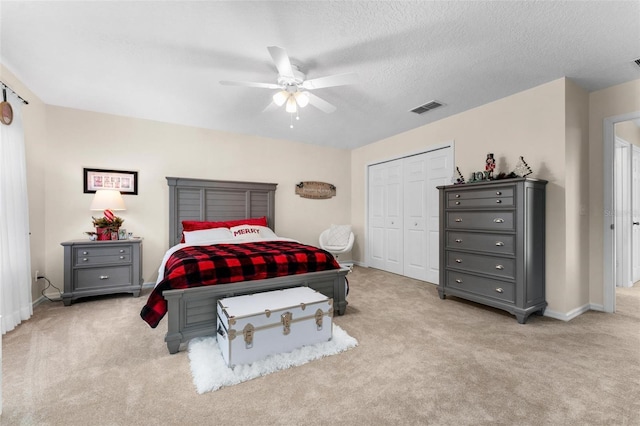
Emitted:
<point x="15" y="93"/>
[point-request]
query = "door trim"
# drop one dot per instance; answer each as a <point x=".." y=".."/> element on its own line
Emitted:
<point x="609" y="282"/>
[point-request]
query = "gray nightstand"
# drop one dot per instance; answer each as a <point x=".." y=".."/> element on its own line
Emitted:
<point x="94" y="268"/>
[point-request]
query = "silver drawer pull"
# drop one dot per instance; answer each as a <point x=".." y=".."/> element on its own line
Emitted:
<point x="499" y="290"/>
<point x="498" y="220"/>
<point x="121" y="251"/>
<point x="458" y="240"/>
<point x="84" y="259"/>
<point x="498" y="192"/>
<point x="104" y="277"/>
<point x="499" y="243"/>
<point x="458" y="260"/>
<point x="121" y="257"/>
<point x="459" y="281"/>
<point x="85" y="253"/>
<point x="499" y="267"/>
<point x="458" y="219"/>
<point x="457" y="195"/>
<point x="457" y="203"/>
<point x="498" y="201"/>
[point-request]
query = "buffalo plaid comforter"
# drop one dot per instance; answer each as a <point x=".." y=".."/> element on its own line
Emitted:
<point x="195" y="266"/>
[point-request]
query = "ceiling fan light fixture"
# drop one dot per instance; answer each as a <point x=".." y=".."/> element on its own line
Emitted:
<point x="302" y="99"/>
<point x="280" y="98"/>
<point x="291" y="105"/>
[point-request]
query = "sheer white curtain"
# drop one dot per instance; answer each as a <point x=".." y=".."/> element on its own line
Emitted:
<point x="15" y="257"/>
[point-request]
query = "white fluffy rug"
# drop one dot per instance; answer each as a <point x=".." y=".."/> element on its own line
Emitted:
<point x="210" y="372"/>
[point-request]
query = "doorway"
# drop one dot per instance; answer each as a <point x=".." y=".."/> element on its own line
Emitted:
<point x="610" y="222"/>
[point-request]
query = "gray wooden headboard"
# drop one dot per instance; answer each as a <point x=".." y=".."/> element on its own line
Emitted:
<point x="217" y="200"/>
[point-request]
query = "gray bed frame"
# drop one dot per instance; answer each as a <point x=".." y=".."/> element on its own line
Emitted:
<point x="192" y="312"/>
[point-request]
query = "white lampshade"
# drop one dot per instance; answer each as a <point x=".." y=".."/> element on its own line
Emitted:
<point x="302" y="99"/>
<point x="107" y="199"/>
<point x="291" y="105"/>
<point x="280" y="98"/>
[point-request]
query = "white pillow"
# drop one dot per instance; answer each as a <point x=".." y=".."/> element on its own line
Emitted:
<point x="207" y="235"/>
<point x="339" y="235"/>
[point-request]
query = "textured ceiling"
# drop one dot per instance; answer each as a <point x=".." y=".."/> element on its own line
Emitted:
<point x="163" y="60"/>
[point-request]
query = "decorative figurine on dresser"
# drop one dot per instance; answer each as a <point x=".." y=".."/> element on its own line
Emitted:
<point x="492" y="244"/>
<point x="93" y="268"/>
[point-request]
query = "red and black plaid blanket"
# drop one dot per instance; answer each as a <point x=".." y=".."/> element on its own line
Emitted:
<point x="195" y="266"/>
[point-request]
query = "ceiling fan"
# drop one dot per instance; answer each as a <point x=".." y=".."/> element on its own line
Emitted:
<point x="293" y="89"/>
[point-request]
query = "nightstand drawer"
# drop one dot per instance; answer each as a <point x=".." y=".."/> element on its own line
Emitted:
<point x="102" y="277"/>
<point x="494" y="221"/>
<point x="502" y="267"/>
<point x="490" y="243"/>
<point x="501" y="290"/>
<point x="101" y="255"/>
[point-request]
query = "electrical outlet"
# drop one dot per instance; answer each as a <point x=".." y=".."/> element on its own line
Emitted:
<point x="36" y="275"/>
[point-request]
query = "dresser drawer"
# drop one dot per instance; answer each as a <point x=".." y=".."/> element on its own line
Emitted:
<point x="91" y="278"/>
<point x="480" y="202"/>
<point x="491" y="220"/>
<point x="500" y="290"/>
<point x="490" y="243"/>
<point x="101" y="255"/>
<point x="502" y="267"/>
<point x="467" y="197"/>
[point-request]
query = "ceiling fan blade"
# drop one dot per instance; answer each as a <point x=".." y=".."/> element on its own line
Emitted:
<point x="282" y="61"/>
<point x="251" y="84"/>
<point x="271" y="107"/>
<point x="320" y="103"/>
<point x="331" y="81"/>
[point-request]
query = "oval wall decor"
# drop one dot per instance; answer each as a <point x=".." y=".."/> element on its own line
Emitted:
<point x="316" y="190"/>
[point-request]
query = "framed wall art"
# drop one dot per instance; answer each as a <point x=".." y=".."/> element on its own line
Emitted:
<point x="124" y="181"/>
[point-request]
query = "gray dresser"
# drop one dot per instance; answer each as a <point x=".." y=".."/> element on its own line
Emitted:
<point x="93" y="268"/>
<point x="492" y="244"/>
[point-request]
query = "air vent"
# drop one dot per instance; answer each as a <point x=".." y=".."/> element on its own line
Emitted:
<point x="637" y="61"/>
<point x="427" y="107"/>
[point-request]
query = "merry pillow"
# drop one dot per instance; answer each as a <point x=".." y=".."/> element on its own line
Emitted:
<point x="246" y="232"/>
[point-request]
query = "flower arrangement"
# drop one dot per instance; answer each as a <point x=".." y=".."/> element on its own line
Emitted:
<point x="106" y="225"/>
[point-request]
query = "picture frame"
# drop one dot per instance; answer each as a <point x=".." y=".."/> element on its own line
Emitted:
<point x="124" y="181"/>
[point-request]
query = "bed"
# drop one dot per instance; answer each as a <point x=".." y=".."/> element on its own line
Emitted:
<point x="191" y="312"/>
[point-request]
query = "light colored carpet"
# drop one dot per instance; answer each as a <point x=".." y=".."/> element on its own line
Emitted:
<point x="419" y="360"/>
<point x="210" y="372"/>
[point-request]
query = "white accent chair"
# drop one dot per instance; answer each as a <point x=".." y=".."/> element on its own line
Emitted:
<point x="337" y="240"/>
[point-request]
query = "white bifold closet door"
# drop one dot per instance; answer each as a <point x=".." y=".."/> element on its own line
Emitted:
<point x="403" y="213"/>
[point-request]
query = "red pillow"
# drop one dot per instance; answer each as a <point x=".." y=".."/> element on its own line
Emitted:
<point x="197" y="225"/>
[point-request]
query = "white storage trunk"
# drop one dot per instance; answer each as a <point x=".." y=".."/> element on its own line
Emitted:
<point x="253" y="326"/>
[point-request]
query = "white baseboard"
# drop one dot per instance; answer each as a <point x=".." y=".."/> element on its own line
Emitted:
<point x="568" y="316"/>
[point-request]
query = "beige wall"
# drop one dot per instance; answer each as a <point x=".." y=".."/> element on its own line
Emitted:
<point x="610" y="102"/>
<point x="78" y="139"/>
<point x="629" y="131"/>
<point x="576" y="289"/>
<point x="529" y="124"/>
